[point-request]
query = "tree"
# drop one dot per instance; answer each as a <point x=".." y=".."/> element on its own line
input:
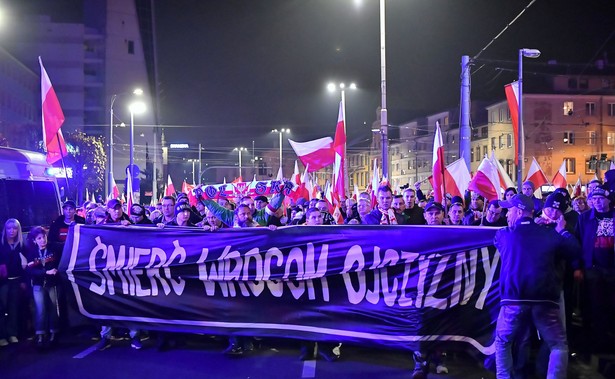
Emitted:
<point x="87" y="158"/>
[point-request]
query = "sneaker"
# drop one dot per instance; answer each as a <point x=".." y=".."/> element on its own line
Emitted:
<point x="135" y="343"/>
<point x="328" y="355"/>
<point x="103" y="344"/>
<point x="233" y="350"/>
<point x="441" y="369"/>
<point x="4" y="343"/>
<point x="13" y="339"/>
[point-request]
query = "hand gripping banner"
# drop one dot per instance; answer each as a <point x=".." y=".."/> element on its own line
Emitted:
<point x="405" y="287"/>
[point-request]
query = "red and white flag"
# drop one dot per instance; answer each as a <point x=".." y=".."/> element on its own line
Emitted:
<point x="129" y="191"/>
<point x="505" y="180"/>
<point x="339" y="146"/>
<point x="279" y="176"/>
<point x="457" y="178"/>
<point x="578" y="188"/>
<point x="115" y="192"/>
<point x="535" y="175"/>
<point x="53" y="118"/>
<point x="559" y="180"/>
<point x="337" y="215"/>
<point x="438" y="166"/>
<point x="486" y="181"/>
<point x="375" y="184"/>
<point x="316" y="154"/>
<point x="170" y="190"/>
<point x="296" y="178"/>
<point x="187" y="189"/>
<point x="512" y="97"/>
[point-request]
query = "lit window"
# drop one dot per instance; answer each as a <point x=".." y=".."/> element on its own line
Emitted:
<point x="571" y="165"/>
<point x="610" y="138"/>
<point x="591" y="137"/>
<point x="568" y="108"/>
<point x="509" y="139"/>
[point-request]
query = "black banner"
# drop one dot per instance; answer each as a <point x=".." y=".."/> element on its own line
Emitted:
<point x="394" y="286"/>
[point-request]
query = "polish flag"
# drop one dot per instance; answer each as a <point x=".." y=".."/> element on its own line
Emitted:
<point x="355" y="194"/>
<point x="129" y="191"/>
<point x="486" y="181"/>
<point x="559" y="180"/>
<point x="52" y="119"/>
<point x="578" y="188"/>
<point x="115" y="192"/>
<point x="457" y="178"/>
<point x="296" y="178"/>
<point x="317" y="153"/>
<point x="337" y="215"/>
<point x="170" y="190"/>
<point x="339" y="146"/>
<point x="505" y="180"/>
<point x="375" y="183"/>
<point x="438" y="166"/>
<point x="512" y="97"/>
<point x="535" y="175"/>
<point x="187" y="189"/>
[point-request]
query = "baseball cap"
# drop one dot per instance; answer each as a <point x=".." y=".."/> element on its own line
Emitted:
<point x="69" y="203"/>
<point x="557" y="200"/>
<point x="599" y="191"/>
<point x="113" y="203"/>
<point x="180" y="207"/>
<point x="456" y="200"/>
<point x="434" y="204"/>
<point x="99" y="212"/>
<point x="137" y="210"/>
<point x="520" y="201"/>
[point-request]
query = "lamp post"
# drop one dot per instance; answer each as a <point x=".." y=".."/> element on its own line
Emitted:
<point x="383" y="89"/>
<point x="280" y="132"/>
<point x="136" y="107"/>
<point x="331" y="87"/>
<point x="240" y="149"/>
<point x="137" y="92"/>
<point x="528" y="53"/>
<point x="193" y="161"/>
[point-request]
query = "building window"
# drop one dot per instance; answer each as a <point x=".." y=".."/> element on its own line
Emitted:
<point x="478" y="154"/>
<point x="611" y="109"/>
<point x="131" y="47"/>
<point x="590" y="165"/>
<point x="471" y="155"/>
<point x="500" y="115"/>
<point x="590" y="109"/>
<point x="583" y="83"/>
<point x="610" y="138"/>
<point x="474" y="133"/>
<point x="484" y="132"/>
<point x="485" y="150"/>
<point x="509" y="139"/>
<point x="492" y="143"/>
<point x="591" y="137"/>
<point x="501" y="141"/>
<point x="569" y="138"/>
<point x="508" y="113"/>
<point x="571" y="165"/>
<point x="568" y="108"/>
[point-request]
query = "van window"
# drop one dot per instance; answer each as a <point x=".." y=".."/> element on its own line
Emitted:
<point x="33" y="203"/>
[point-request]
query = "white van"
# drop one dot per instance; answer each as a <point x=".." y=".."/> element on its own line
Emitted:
<point x="28" y="190"/>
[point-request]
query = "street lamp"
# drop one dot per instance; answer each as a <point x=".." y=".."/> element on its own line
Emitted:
<point x="193" y="168"/>
<point x="528" y="53"/>
<point x="137" y="92"/>
<point x="136" y="107"/>
<point x="240" y="149"/>
<point x="280" y="132"/>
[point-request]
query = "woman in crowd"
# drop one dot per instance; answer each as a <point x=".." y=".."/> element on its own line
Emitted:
<point x="11" y="280"/>
<point x="42" y="268"/>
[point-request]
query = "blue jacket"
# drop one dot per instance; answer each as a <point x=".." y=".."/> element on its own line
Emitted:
<point x="587" y="226"/>
<point x="530" y="253"/>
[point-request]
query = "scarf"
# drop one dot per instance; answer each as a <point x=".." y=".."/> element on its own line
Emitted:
<point x="388" y="217"/>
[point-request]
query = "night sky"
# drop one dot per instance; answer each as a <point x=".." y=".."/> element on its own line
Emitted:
<point x="232" y="70"/>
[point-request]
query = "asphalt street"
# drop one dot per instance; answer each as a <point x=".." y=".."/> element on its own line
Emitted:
<point x="199" y="356"/>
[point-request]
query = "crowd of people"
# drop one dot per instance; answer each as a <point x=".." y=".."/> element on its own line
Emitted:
<point x="557" y="259"/>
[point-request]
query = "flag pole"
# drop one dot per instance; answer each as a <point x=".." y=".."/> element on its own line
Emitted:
<point x="58" y="135"/>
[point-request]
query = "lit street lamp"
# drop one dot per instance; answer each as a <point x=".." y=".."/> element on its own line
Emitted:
<point x="240" y="149"/>
<point x="280" y="132"/>
<point x="137" y="92"/>
<point x="528" y="53"/>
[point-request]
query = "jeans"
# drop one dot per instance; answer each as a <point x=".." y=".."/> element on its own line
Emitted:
<point x="515" y="319"/>
<point x="46" y="309"/>
<point x="9" y="305"/>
